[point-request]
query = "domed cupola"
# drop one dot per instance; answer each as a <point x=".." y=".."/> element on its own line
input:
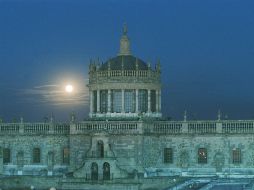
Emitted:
<point x="124" y="86"/>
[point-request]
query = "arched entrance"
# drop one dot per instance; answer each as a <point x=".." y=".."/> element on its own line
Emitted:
<point x="184" y="159"/>
<point x="106" y="171"/>
<point x="100" y="149"/>
<point x="50" y="160"/>
<point x="20" y="159"/>
<point x="219" y="161"/>
<point x="94" y="171"/>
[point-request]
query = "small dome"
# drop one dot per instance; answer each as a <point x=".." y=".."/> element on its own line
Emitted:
<point x="125" y="62"/>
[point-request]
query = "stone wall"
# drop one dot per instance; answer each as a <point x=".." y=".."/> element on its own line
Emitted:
<point x="185" y="154"/>
<point x="21" y="149"/>
<point x="130" y="147"/>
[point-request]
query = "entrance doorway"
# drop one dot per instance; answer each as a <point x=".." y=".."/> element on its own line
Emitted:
<point x="94" y="171"/>
<point x="106" y="171"/>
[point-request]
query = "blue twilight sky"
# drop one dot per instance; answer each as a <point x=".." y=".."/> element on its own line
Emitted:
<point x="206" y="49"/>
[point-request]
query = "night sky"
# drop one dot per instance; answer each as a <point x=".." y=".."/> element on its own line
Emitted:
<point x="206" y="49"/>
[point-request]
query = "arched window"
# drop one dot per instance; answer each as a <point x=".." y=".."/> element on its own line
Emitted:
<point x="6" y="155"/>
<point x="100" y="149"/>
<point x="168" y="155"/>
<point x="36" y="155"/>
<point x="66" y="156"/>
<point x="236" y="153"/>
<point x="94" y="171"/>
<point x="202" y="156"/>
<point x="106" y="171"/>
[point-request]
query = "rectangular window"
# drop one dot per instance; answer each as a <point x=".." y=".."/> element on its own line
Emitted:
<point x="94" y="101"/>
<point x="236" y="156"/>
<point x="153" y="100"/>
<point x="129" y="101"/>
<point x="202" y="156"/>
<point x="142" y="100"/>
<point x="66" y="156"/>
<point x="116" y="101"/>
<point x="6" y="155"/>
<point x="104" y="101"/>
<point x="36" y="155"/>
<point x="168" y="155"/>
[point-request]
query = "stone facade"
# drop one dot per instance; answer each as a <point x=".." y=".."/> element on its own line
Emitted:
<point x="131" y="148"/>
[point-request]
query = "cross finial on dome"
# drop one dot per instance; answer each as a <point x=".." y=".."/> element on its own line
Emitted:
<point x="125" y="29"/>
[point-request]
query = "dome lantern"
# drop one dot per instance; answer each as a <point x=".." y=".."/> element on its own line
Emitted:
<point x="124" y="43"/>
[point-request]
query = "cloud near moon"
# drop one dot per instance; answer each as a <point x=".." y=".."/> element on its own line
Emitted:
<point x="55" y="94"/>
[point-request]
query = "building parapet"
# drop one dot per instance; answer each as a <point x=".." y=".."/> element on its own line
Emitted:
<point x="112" y="75"/>
<point x="131" y="127"/>
<point x="116" y="127"/>
<point x="203" y="127"/>
<point x="34" y="128"/>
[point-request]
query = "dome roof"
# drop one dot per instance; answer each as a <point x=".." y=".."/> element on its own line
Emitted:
<point x="125" y="62"/>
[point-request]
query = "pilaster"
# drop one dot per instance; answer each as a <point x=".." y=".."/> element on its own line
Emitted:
<point x="109" y="101"/>
<point x="218" y="127"/>
<point x="1" y="161"/>
<point x="159" y="98"/>
<point x="98" y="101"/>
<point x="122" y="101"/>
<point x="91" y="101"/>
<point x="136" y="109"/>
<point x="149" y="101"/>
<point x="157" y="101"/>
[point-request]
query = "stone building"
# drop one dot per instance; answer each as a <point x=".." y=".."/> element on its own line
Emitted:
<point x="126" y="136"/>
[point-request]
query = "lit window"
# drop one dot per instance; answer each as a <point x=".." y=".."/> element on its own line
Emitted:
<point x="202" y="156"/>
<point x="66" y="156"/>
<point x="36" y="155"/>
<point x="236" y="156"/>
<point x="168" y="155"/>
<point x="6" y="155"/>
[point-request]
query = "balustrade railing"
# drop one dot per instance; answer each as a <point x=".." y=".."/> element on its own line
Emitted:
<point x="124" y="73"/>
<point x="238" y="127"/>
<point x="34" y="128"/>
<point x="131" y="127"/>
<point x="167" y="127"/>
<point x="111" y="127"/>
<point x="9" y="128"/>
<point x="202" y="127"/>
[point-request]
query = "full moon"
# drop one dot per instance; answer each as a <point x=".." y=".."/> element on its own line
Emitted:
<point x="69" y="88"/>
